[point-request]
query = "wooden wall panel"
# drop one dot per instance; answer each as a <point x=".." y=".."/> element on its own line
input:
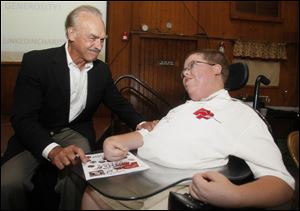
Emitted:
<point x="158" y="62"/>
<point x="9" y="72"/>
<point x="155" y="14"/>
<point x="190" y="18"/>
<point x="146" y="12"/>
<point x="213" y="17"/>
<point x="119" y="15"/>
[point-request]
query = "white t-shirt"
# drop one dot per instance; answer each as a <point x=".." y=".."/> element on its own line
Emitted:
<point x="201" y="134"/>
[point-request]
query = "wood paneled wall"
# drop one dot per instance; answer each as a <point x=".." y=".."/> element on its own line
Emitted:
<point x="195" y="18"/>
<point x="189" y="19"/>
<point x="9" y="72"/>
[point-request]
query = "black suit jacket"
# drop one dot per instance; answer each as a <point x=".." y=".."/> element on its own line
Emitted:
<point x="42" y="101"/>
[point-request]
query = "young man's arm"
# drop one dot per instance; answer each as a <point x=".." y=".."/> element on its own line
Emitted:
<point x="117" y="147"/>
<point x="215" y="188"/>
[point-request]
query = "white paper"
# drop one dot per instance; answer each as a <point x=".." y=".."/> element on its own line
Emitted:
<point x="98" y="167"/>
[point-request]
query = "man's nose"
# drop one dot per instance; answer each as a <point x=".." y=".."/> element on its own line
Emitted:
<point x="99" y="44"/>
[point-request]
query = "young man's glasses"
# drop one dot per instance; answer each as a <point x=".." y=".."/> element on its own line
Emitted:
<point x="192" y="65"/>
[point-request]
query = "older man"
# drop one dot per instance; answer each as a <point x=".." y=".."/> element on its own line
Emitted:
<point x="57" y="92"/>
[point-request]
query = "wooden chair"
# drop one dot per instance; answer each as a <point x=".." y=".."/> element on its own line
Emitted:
<point x="293" y="146"/>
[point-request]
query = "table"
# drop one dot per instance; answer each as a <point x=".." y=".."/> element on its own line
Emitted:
<point x="143" y="184"/>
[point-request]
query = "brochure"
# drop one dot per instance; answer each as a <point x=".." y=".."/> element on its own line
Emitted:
<point x="98" y="167"/>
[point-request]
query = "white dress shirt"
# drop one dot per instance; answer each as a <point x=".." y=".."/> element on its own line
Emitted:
<point x="78" y="92"/>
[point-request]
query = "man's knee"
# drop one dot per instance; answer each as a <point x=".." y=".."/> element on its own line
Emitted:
<point x="13" y="194"/>
<point x="69" y="137"/>
<point x="10" y="181"/>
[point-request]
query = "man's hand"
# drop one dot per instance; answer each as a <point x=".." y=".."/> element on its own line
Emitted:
<point x="62" y="157"/>
<point x="147" y="125"/>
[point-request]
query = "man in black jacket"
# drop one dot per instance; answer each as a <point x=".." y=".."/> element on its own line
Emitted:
<point x="57" y="92"/>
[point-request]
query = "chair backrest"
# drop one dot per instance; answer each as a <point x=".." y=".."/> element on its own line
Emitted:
<point x="293" y="146"/>
<point x="238" y="76"/>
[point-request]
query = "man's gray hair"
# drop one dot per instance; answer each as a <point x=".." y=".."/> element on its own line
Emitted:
<point x="73" y="15"/>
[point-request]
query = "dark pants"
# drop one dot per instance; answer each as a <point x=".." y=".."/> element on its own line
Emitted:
<point x="17" y="173"/>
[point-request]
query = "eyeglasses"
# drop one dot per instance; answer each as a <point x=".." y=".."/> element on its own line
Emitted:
<point x="192" y="65"/>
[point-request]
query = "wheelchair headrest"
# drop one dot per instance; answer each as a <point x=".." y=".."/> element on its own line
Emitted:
<point x="238" y="76"/>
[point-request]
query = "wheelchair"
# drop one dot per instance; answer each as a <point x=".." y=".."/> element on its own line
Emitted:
<point x="236" y="169"/>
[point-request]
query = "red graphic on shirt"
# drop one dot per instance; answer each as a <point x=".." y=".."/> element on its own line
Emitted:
<point x="203" y="113"/>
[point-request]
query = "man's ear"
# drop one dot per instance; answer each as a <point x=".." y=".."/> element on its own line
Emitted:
<point x="71" y="33"/>
<point x="217" y="69"/>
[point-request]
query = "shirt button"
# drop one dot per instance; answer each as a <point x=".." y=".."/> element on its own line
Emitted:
<point x="51" y="133"/>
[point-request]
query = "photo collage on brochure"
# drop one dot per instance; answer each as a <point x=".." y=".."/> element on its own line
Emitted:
<point x="99" y="167"/>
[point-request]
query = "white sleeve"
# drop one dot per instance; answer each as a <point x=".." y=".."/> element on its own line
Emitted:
<point x="139" y="125"/>
<point x="257" y="147"/>
<point x="48" y="149"/>
<point x="143" y="131"/>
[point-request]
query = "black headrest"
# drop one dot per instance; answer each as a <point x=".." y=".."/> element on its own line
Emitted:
<point x="238" y="76"/>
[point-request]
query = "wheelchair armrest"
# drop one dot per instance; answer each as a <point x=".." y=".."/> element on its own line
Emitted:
<point x="178" y="201"/>
<point x="236" y="170"/>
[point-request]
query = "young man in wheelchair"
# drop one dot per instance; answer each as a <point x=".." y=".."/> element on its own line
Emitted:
<point x="201" y="134"/>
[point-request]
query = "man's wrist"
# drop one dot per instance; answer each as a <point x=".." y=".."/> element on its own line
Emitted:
<point x="47" y="150"/>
